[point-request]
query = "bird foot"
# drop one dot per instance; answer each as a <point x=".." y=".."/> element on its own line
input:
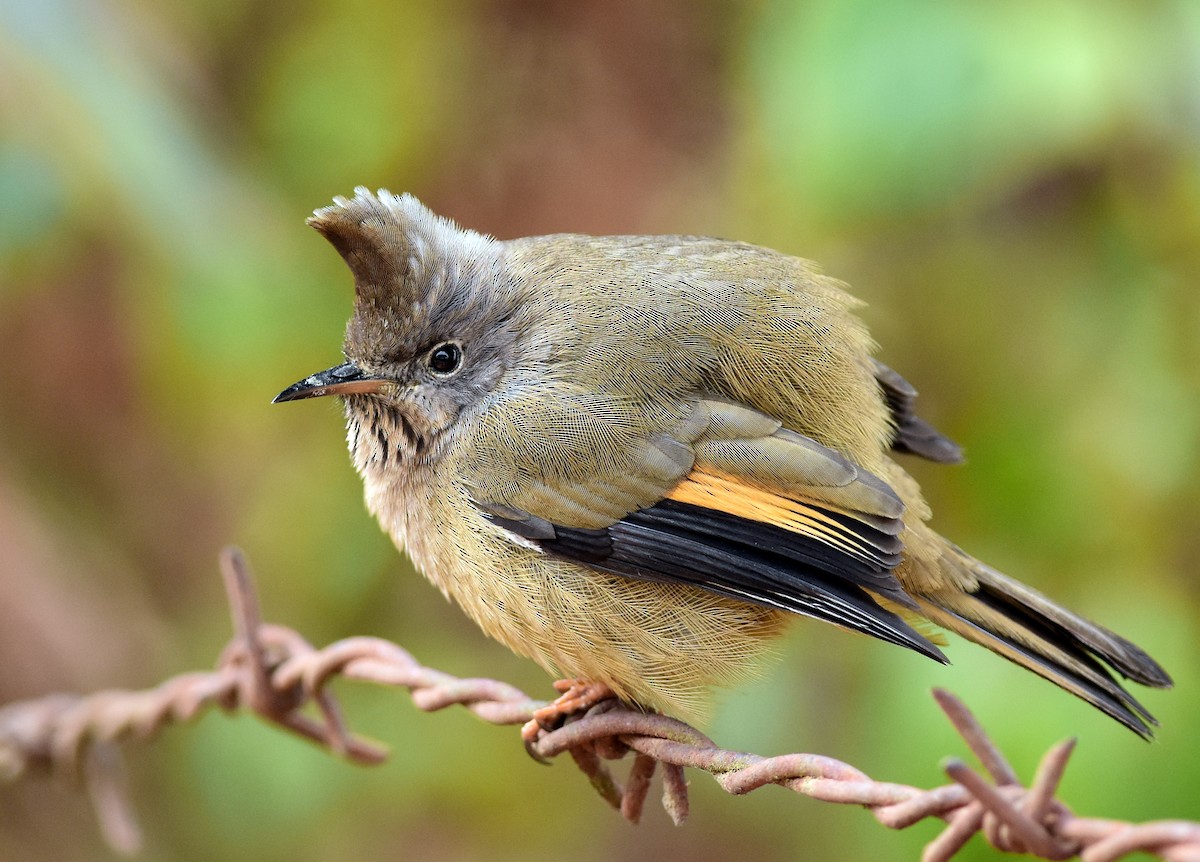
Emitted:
<point x="575" y="696"/>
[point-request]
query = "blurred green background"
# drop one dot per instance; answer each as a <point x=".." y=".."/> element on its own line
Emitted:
<point x="1013" y="187"/>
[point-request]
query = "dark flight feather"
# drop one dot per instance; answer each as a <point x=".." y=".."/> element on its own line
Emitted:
<point x="674" y="542"/>
<point x="1020" y="624"/>
<point x="913" y="434"/>
<point x="1092" y="682"/>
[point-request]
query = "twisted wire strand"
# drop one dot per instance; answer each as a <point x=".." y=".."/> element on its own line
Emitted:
<point x="274" y="672"/>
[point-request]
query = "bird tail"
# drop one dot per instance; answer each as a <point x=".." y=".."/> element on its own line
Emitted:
<point x="1025" y="627"/>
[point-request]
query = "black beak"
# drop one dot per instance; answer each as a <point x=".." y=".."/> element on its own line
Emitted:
<point x="343" y="379"/>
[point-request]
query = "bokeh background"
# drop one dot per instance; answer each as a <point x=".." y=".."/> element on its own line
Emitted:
<point x="1013" y="187"/>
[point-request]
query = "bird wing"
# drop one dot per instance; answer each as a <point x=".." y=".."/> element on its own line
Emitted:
<point x="719" y="496"/>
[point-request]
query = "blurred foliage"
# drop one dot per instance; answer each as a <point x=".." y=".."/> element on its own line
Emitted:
<point x="1015" y="188"/>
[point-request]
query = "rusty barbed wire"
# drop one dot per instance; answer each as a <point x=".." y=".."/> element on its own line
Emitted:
<point x="274" y="672"/>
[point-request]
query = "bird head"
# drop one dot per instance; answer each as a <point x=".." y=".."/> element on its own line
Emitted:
<point x="432" y="328"/>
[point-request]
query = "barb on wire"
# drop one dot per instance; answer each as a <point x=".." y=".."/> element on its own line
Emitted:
<point x="274" y="672"/>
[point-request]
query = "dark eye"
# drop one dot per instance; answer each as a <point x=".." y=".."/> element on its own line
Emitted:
<point x="445" y="358"/>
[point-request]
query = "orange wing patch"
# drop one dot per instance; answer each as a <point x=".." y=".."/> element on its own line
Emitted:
<point x="726" y="493"/>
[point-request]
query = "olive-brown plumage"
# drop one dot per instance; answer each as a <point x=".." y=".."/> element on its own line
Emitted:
<point x="633" y="459"/>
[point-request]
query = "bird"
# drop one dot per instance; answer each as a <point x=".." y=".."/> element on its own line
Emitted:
<point x="636" y="459"/>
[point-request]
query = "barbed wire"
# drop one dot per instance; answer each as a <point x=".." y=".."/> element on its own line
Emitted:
<point x="275" y="673"/>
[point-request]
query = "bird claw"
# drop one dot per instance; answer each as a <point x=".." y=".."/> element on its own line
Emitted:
<point x="575" y="696"/>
